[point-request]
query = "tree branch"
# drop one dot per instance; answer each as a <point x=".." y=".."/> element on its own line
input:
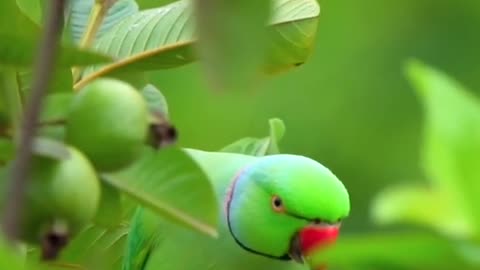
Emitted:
<point x="43" y="71"/>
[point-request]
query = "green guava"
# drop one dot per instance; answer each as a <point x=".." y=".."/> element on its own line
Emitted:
<point x="63" y="193"/>
<point x="108" y="121"/>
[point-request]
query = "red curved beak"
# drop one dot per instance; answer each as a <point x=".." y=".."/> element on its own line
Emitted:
<point x="315" y="237"/>
<point x="312" y="238"/>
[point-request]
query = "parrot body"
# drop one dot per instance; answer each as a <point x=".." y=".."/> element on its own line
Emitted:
<point x="248" y="239"/>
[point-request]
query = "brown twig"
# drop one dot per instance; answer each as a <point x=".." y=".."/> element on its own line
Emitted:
<point x="43" y="70"/>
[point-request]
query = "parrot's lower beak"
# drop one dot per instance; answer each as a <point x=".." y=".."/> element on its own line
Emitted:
<point x="311" y="238"/>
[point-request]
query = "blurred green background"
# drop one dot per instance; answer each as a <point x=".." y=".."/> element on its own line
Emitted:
<point x="350" y="106"/>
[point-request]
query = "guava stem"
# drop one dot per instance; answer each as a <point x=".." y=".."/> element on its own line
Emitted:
<point x="43" y="71"/>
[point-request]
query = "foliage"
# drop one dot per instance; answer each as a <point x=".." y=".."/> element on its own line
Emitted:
<point x="259" y="146"/>
<point x="125" y="43"/>
<point x="163" y="37"/>
<point x="445" y="206"/>
<point x="136" y="38"/>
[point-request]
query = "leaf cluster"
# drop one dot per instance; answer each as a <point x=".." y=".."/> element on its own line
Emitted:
<point x="237" y="44"/>
<point x="442" y="211"/>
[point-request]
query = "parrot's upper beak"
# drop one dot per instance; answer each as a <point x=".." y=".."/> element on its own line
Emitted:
<point x="312" y="237"/>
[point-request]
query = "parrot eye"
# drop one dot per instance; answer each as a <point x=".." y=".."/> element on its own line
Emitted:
<point x="277" y="204"/>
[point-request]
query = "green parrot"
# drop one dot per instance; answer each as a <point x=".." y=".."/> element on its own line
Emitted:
<point x="276" y="209"/>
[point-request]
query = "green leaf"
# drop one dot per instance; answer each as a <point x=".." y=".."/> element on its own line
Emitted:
<point x="392" y="251"/>
<point x="163" y="38"/>
<point x="10" y="259"/>
<point x="56" y="107"/>
<point x="54" y="115"/>
<point x="420" y="205"/>
<point x="471" y="251"/>
<point x="277" y="131"/>
<point x="20" y="52"/>
<point x="147" y="4"/>
<point x="97" y="248"/>
<point x="79" y="14"/>
<point x="16" y="85"/>
<point x="73" y="56"/>
<point x="61" y="266"/>
<point x="50" y="148"/>
<point x="110" y="210"/>
<point x="156" y="101"/>
<point x="248" y="146"/>
<point x="170" y="183"/>
<point x="232" y="40"/>
<point x="14" y="22"/>
<point x="18" y="48"/>
<point x="259" y="146"/>
<point x="150" y="39"/>
<point x="32" y="9"/>
<point x="451" y="150"/>
<point x="137" y="79"/>
<point x="290" y="45"/>
<point x="62" y="80"/>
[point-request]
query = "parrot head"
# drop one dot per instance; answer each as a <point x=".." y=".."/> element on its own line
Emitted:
<point x="285" y="206"/>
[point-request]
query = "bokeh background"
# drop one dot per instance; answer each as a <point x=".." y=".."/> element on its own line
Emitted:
<point x="350" y="106"/>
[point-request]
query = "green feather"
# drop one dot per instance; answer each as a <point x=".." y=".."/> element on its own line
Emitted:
<point x="155" y="243"/>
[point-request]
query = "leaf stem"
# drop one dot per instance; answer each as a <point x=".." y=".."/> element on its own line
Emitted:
<point x="97" y="15"/>
<point x="43" y="73"/>
<point x="122" y="63"/>
<point x="95" y="21"/>
<point x="161" y="207"/>
<point x="11" y="94"/>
